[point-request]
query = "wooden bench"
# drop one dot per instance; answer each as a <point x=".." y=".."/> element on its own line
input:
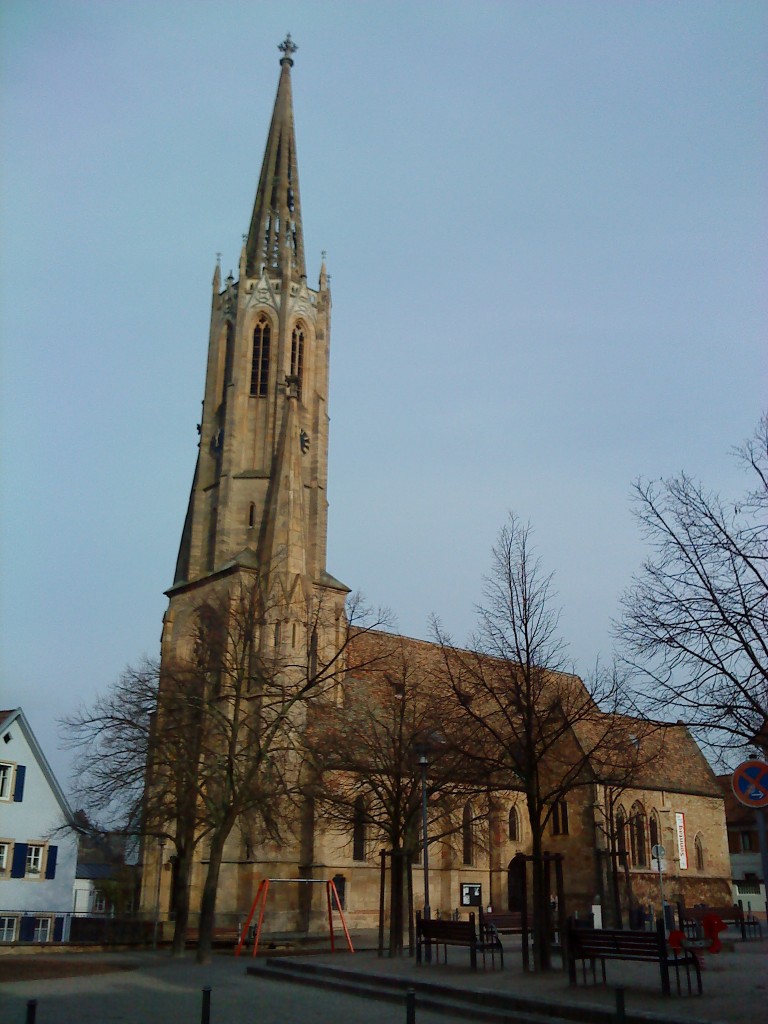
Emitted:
<point x="592" y="944"/>
<point x="506" y="922"/>
<point x="691" y="920"/>
<point x="435" y="932"/>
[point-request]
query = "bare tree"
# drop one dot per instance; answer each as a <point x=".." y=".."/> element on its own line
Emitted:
<point x="125" y="790"/>
<point x="251" y="694"/>
<point x="695" y="619"/>
<point x="111" y="740"/>
<point x="521" y="711"/>
<point x="365" y="755"/>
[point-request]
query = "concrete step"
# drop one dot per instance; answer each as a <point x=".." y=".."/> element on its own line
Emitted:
<point x="479" y="1004"/>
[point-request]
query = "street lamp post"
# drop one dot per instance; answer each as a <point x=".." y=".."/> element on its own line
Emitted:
<point x="160" y="847"/>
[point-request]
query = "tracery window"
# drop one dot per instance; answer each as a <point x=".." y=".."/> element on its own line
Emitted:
<point x="260" y="360"/>
<point x="654" y="830"/>
<point x="698" y="846"/>
<point x="637" y="836"/>
<point x="621" y="830"/>
<point x="297" y="354"/>
<point x="514" y="825"/>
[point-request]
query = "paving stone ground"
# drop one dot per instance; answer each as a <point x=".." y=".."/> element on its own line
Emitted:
<point x="154" y="988"/>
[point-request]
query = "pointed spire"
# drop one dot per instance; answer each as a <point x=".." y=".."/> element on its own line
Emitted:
<point x="275" y="237"/>
<point x="217" y="275"/>
<point x="323" y="273"/>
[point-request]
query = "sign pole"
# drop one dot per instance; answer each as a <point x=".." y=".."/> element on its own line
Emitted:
<point x="761" y="831"/>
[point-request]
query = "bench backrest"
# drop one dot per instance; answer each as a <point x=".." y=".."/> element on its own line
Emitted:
<point x="503" y="920"/>
<point x="614" y="942"/>
<point x="734" y="913"/>
<point x="440" y="931"/>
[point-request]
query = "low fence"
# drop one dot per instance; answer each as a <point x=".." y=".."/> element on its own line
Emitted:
<point x="38" y="927"/>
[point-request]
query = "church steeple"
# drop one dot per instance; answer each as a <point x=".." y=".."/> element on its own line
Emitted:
<point x="275" y="241"/>
<point x="259" y="495"/>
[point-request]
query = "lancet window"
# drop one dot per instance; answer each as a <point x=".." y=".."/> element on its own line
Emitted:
<point x="297" y="354"/>
<point x="262" y="336"/>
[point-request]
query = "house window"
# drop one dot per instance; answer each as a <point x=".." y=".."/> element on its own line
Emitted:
<point x="260" y="358"/>
<point x="99" y="902"/>
<point x="746" y="842"/>
<point x="6" y="772"/>
<point x="42" y="930"/>
<point x="560" y="818"/>
<point x="698" y="846"/>
<point x="514" y="826"/>
<point x="34" y="859"/>
<point x="467" y="835"/>
<point x="358" y="830"/>
<point x="5" y="857"/>
<point x="297" y="354"/>
<point x="637" y="836"/>
<point x="7" y="929"/>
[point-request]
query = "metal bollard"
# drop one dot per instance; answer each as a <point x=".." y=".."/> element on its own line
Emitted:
<point x="31" y="1011"/>
<point x="410" y="1006"/>
<point x="621" y="1015"/>
<point x="205" y="1016"/>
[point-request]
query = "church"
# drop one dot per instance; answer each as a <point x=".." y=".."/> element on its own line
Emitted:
<point x="252" y="560"/>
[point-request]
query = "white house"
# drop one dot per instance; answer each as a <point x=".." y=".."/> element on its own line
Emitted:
<point x="38" y="843"/>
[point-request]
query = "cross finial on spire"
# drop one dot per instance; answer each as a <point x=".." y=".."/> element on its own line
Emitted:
<point x="287" y="48"/>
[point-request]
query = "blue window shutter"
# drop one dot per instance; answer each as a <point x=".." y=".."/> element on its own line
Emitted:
<point x="58" y="929"/>
<point x="18" y="792"/>
<point x="50" y="867"/>
<point x="27" y="928"/>
<point x="19" y="863"/>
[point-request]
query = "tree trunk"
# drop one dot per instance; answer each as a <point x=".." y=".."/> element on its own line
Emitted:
<point x="208" y="902"/>
<point x="542" y="958"/>
<point x="180" y="901"/>
<point x="396" y="915"/>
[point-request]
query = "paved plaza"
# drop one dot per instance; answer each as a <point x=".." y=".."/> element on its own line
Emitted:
<point x="154" y="988"/>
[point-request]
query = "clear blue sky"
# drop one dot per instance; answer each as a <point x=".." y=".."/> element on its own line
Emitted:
<point x="546" y="228"/>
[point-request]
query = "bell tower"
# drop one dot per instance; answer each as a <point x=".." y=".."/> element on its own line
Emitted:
<point x="259" y="494"/>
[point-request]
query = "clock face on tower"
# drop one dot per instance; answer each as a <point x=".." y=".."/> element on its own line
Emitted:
<point x="304" y="442"/>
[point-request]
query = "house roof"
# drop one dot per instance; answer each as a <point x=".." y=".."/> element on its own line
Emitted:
<point x="666" y="755"/>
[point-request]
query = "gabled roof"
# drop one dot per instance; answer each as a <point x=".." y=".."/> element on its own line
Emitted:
<point x="7" y="719"/>
<point x="667" y="757"/>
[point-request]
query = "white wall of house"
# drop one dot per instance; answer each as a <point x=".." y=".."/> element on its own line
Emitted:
<point x="38" y="848"/>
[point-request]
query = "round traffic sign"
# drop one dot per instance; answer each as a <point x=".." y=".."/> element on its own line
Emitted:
<point x="750" y="783"/>
<point x="658" y="852"/>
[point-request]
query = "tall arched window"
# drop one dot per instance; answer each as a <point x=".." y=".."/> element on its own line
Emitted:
<point x="260" y="359"/>
<point x="467" y="834"/>
<point x="514" y="825"/>
<point x="621" y="831"/>
<point x="637" y="836"/>
<point x="297" y="354"/>
<point x="358" y="830"/>
<point x="654" y="830"/>
<point x="698" y="846"/>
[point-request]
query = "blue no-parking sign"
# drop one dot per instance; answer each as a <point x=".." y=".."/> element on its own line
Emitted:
<point x="750" y="783"/>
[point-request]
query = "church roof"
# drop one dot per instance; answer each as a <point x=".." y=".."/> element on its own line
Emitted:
<point x="275" y="239"/>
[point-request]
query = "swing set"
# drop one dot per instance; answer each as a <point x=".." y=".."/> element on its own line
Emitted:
<point x="260" y="902"/>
